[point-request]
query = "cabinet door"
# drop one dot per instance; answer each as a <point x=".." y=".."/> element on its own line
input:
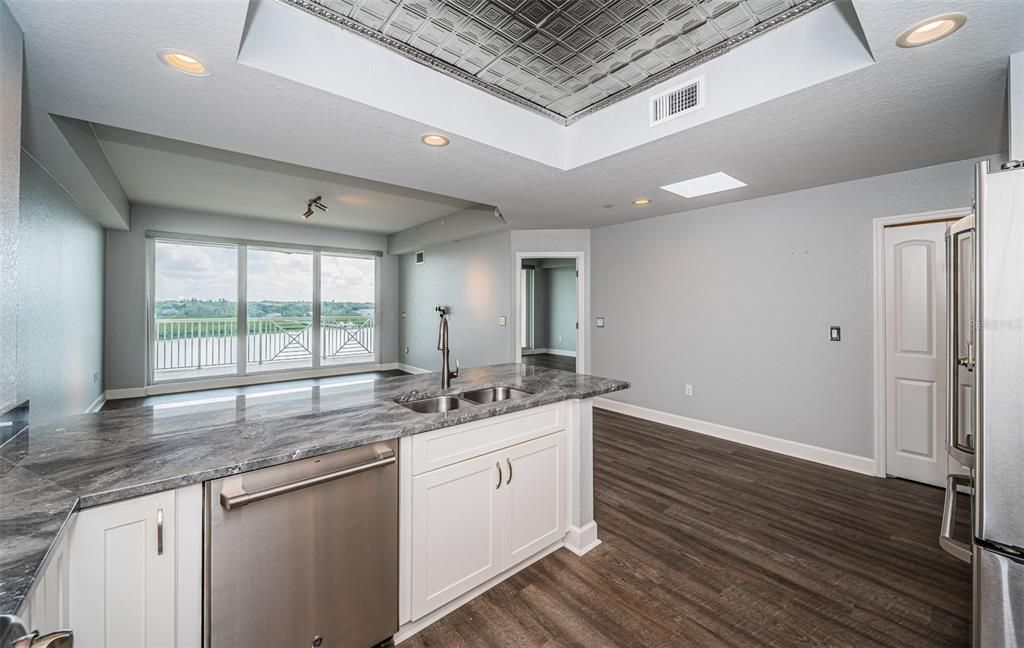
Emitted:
<point x="455" y="531"/>
<point x="535" y="507"/>
<point x="122" y="590"/>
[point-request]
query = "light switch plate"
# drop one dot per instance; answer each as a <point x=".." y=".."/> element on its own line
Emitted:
<point x="502" y="321"/>
<point x="600" y="322"/>
<point x="834" y="334"/>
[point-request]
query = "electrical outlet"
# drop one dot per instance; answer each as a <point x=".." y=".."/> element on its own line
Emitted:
<point x="95" y="376"/>
<point x="600" y="322"/>
<point x="689" y="390"/>
<point x="559" y="339"/>
<point x="502" y="321"/>
<point x="407" y="349"/>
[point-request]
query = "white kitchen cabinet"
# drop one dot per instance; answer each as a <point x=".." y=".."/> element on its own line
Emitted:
<point x="125" y="562"/>
<point x="456" y="531"/>
<point x="534" y="514"/>
<point x="474" y="519"/>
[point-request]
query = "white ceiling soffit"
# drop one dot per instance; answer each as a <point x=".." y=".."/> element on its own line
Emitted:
<point x="288" y="42"/>
<point x="170" y="173"/>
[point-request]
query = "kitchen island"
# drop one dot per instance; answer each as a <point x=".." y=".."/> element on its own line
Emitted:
<point x="49" y="473"/>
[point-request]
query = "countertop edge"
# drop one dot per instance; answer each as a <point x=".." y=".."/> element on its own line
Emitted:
<point x="12" y="601"/>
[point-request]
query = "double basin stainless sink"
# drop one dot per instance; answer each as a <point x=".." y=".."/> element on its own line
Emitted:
<point x="483" y="396"/>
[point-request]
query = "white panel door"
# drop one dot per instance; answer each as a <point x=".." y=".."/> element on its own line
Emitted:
<point x="915" y="352"/>
<point x="122" y="585"/>
<point x="456" y="531"/>
<point x="535" y="515"/>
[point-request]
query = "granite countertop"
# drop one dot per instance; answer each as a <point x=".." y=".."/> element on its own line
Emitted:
<point x="48" y="472"/>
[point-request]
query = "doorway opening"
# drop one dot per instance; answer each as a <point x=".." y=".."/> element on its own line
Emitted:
<point x="911" y="346"/>
<point x="549" y="295"/>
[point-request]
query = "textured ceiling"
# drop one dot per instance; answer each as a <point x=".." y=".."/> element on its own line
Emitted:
<point x="95" y="61"/>
<point x="562" y="58"/>
<point x="169" y="173"/>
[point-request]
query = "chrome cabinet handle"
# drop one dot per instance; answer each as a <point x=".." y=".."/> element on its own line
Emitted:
<point x="509" y="471"/>
<point x="958" y="548"/>
<point x="497" y="464"/>
<point x="159" y="532"/>
<point x="241" y="498"/>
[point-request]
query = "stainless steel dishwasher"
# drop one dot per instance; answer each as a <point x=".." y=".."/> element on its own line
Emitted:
<point x="304" y="554"/>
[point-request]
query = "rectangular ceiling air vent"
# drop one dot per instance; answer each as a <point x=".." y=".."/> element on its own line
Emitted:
<point x="677" y="101"/>
<point x="419" y="257"/>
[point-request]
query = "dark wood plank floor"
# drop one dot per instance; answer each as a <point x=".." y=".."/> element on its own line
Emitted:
<point x="710" y="543"/>
<point x="185" y="397"/>
<point x="551" y="361"/>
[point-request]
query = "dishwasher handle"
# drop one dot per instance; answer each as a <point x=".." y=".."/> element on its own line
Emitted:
<point x="241" y="498"/>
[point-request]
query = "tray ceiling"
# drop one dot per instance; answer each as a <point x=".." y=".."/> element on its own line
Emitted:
<point x="561" y="58"/>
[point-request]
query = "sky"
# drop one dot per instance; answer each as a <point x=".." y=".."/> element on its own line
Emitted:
<point x="187" y="270"/>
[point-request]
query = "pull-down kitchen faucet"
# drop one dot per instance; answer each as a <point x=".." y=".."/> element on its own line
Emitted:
<point x="442" y="346"/>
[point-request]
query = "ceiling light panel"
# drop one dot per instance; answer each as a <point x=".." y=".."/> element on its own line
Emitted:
<point x="704" y="185"/>
<point x="562" y="59"/>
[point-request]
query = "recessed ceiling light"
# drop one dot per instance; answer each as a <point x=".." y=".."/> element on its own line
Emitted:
<point x="183" y="62"/>
<point x="704" y="185"/>
<point x="433" y="139"/>
<point x="640" y="202"/>
<point x="931" y="30"/>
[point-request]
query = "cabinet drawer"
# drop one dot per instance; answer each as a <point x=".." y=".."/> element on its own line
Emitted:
<point x="441" y="448"/>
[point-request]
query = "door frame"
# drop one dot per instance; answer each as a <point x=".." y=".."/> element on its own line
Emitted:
<point x="581" y="359"/>
<point x="878" y="336"/>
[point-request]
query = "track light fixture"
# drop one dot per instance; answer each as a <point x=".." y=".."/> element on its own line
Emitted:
<point x="310" y="204"/>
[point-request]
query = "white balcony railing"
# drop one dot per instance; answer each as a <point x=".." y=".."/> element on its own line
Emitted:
<point x="208" y="343"/>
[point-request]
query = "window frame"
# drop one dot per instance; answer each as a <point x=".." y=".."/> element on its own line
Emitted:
<point x="241" y="373"/>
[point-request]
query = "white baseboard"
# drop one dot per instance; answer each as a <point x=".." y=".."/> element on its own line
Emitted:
<point x="411" y="369"/>
<point x="558" y="352"/>
<point x="389" y="366"/>
<point x="834" y="458"/>
<point x="97" y="404"/>
<point x="130" y="392"/>
<point x="580" y="540"/>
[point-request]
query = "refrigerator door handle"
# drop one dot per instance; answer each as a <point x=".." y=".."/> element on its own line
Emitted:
<point x="957" y="548"/>
<point x="964" y="455"/>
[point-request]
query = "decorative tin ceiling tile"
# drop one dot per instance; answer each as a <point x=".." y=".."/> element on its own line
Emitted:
<point x="562" y="58"/>
<point x="536" y="11"/>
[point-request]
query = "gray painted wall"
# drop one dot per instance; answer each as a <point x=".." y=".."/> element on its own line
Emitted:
<point x="473" y="278"/>
<point x="554" y="304"/>
<point x="126" y="344"/>
<point x="560" y="325"/>
<point x="60" y="297"/>
<point x="737" y="299"/>
<point x="11" y="43"/>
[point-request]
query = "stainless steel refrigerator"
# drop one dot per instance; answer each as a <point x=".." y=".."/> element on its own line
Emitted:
<point x="986" y="401"/>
